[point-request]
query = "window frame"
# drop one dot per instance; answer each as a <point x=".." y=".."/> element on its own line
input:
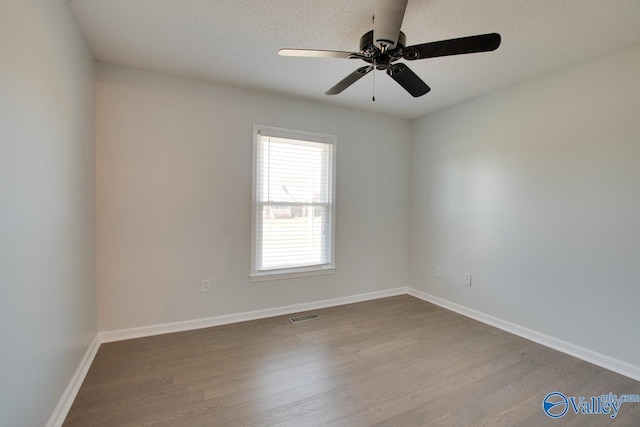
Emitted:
<point x="289" y="272"/>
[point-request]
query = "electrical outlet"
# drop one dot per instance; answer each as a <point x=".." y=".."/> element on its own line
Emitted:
<point x="205" y="286"/>
<point x="438" y="271"/>
<point x="467" y="279"/>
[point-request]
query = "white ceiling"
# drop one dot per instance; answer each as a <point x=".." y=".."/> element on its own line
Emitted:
<point x="236" y="42"/>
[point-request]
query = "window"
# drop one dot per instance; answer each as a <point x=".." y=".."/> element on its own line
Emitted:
<point x="293" y="203"/>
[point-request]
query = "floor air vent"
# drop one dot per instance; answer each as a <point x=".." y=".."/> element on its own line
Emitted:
<point x="304" y="318"/>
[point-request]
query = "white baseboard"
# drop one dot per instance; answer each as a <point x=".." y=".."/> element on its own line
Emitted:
<point x="607" y="362"/>
<point x="64" y="404"/>
<point x="165" y="328"/>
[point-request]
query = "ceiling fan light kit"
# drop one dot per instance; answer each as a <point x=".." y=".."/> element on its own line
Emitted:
<point x="383" y="46"/>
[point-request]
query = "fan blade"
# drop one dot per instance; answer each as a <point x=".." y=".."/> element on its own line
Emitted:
<point x="315" y="53"/>
<point x="387" y="22"/>
<point x="349" y="80"/>
<point x="472" y="44"/>
<point x="408" y="80"/>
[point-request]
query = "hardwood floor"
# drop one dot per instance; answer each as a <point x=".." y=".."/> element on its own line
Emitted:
<point x="395" y="361"/>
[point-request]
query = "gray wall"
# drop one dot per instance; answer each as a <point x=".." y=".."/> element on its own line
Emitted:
<point x="174" y="199"/>
<point x="47" y="216"/>
<point x="535" y="190"/>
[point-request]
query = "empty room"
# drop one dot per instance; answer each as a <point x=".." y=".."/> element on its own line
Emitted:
<point x="319" y="213"/>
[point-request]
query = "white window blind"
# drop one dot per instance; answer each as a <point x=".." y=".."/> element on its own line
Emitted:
<point x="294" y="201"/>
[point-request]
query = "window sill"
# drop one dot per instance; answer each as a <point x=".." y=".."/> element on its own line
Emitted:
<point x="290" y="274"/>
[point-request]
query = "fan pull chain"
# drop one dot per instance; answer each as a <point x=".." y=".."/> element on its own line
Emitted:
<point x="373" y="98"/>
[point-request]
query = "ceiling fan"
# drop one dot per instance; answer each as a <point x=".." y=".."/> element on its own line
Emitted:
<point x="383" y="46"/>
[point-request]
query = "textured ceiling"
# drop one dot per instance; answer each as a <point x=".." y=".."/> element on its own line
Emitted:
<point x="236" y="42"/>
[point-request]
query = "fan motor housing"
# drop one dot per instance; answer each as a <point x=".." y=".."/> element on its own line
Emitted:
<point x="367" y="45"/>
<point x="373" y="54"/>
